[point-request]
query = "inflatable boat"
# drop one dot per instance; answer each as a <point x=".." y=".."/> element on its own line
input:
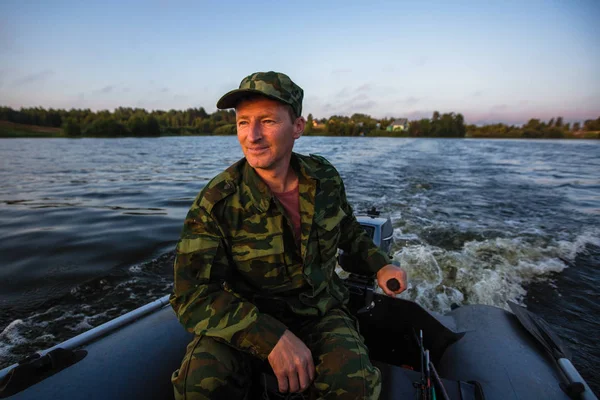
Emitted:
<point x="472" y="352"/>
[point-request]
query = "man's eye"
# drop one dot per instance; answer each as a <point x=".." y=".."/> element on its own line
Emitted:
<point x="268" y="121"/>
<point x="240" y="123"/>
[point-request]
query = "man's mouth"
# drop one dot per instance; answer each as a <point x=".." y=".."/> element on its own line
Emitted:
<point x="257" y="149"/>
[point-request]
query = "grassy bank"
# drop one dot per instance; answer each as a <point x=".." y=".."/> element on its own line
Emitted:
<point x="12" y="130"/>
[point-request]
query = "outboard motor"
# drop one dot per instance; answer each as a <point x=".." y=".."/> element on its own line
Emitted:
<point x="379" y="229"/>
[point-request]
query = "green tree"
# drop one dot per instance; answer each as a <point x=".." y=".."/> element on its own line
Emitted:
<point x="559" y="122"/>
<point x="533" y="125"/>
<point x="592" y="125"/>
<point x="152" y="126"/>
<point x="105" y="126"/>
<point x="136" y="125"/>
<point x="71" y="127"/>
<point x="228" y="129"/>
<point x="308" y="129"/>
<point x="459" y="125"/>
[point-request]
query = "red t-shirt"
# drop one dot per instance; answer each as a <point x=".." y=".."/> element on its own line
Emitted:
<point x="290" y="200"/>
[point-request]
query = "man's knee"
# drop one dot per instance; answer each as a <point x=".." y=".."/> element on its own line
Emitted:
<point x="344" y="370"/>
<point x="343" y="378"/>
<point x="211" y="369"/>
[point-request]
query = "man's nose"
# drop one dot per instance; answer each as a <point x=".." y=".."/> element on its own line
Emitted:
<point x="255" y="131"/>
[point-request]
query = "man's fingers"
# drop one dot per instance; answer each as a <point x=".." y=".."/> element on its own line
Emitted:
<point x="387" y="291"/>
<point x="304" y="376"/>
<point x="293" y="381"/>
<point x="292" y="363"/>
<point x="282" y="382"/>
<point x="402" y="282"/>
<point x="311" y="371"/>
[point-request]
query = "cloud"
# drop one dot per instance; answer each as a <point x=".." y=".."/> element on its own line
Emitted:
<point x="477" y="93"/>
<point x="364" y="88"/>
<point x="345" y="92"/>
<point x="352" y="92"/>
<point x="164" y="90"/>
<point x="105" y="90"/>
<point x="409" y="101"/>
<point x="499" y="107"/>
<point x="360" y="103"/>
<point x="415" y="115"/>
<point x="31" y="78"/>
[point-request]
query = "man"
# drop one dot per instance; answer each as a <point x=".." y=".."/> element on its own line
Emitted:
<point x="254" y="271"/>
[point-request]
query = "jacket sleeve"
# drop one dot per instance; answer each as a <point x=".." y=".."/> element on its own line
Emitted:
<point x="355" y="241"/>
<point x="202" y="300"/>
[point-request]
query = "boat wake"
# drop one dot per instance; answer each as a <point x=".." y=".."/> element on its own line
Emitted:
<point x="491" y="271"/>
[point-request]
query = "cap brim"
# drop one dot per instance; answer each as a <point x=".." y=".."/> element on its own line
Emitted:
<point x="231" y="99"/>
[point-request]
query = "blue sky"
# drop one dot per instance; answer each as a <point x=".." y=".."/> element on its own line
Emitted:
<point x="501" y="61"/>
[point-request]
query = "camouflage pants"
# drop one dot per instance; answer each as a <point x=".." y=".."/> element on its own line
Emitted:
<point x="214" y="370"/>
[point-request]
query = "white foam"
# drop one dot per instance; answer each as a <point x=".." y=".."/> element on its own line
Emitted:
<point x="136" y="268"/>
<point x="10" y="335"/>
<point x="9" y="338"/>
<point x="483" y="272"/>
<point x="569" y="250"/>
<point x="82" y="326"/>
<point x="46" y="338"/>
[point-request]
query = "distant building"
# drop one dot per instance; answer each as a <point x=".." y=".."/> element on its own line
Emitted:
<point x="400" y="124"/>
<point x="318" y="125"/>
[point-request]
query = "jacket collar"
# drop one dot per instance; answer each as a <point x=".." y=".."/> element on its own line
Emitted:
<point x="257" y="190"/>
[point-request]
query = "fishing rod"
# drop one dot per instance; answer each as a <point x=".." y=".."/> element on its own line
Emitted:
<point x="439" y="383"/>
<point x="429" y="389"/>
<point x="426" y="388"/>
<point x="421" y="383"/>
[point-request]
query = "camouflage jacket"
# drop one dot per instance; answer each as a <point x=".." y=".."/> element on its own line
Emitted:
<point x="237" y="262"/>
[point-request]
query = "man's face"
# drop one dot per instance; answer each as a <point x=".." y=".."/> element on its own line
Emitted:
<point x="266" y="132"/>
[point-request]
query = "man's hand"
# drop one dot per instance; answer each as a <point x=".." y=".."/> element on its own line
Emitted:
<point x="389" y="272"/>
<point x="292" y="363"/>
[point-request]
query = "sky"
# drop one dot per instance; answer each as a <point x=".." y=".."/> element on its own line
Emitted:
<point x="493" y="61"/>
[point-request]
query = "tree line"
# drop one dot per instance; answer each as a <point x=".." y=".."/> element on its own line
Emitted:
<point x="440" y="125"/>
<point x="125" y="121"/>
<point x="555" y="128"/>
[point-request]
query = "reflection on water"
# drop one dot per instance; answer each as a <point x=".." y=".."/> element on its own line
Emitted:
<point x="87" y="227"/>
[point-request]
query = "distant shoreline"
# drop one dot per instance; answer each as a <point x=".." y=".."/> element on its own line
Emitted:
<point x="138" y="122"/>
<point x="14" y="130"/>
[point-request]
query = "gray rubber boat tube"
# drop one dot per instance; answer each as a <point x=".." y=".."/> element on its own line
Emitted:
<point x="102" y="330"/>
<point x="573" y="375"/>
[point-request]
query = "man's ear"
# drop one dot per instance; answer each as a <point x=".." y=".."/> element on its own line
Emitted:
<point x="299" y="125"/>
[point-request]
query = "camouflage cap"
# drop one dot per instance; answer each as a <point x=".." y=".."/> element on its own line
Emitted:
<point x="274" y="85"/>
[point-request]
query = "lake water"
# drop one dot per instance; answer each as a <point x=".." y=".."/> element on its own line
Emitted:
<point x="88" y="226"/>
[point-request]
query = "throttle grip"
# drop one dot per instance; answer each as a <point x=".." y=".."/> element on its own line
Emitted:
<point x="393" y="284"/>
